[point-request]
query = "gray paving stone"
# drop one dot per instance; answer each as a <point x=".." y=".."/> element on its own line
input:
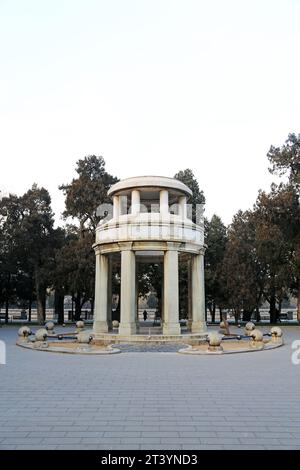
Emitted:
<point x="149" y="400"/>
<point x="243" y="447"/>
<point x="113" y="434"/>
<point x="264" y="441"/>
<point x="141" y="440"/>
<point x="61" y="440"/>
<point x="218" y="440"/>
<point x="21" y="440"/>
<point x="202" y="447"/>
<point x="181" y="440"/>
<point x="101" y="440"/>
<point x="86" y="434"/>
<point x="35" y="447"/>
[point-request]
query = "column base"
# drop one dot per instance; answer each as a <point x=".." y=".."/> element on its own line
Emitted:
<point x="170" y="329"/>
<point x="126" y="329"/>
<point x="198" y="327"/>
<point x="100" y="327"/>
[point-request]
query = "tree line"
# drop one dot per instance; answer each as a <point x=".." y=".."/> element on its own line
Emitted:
<point x="254" y="259"/>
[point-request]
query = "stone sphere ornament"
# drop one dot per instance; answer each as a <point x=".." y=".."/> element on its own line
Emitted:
<point x="276" y="333"/>
<point x="115" y="324"/>
<point x="50" y="326"/>
<point x="80" y="325"/>
<point x="41" y="334"/>
<point x="24" y="332"/>
<point x="256" y="339"/>
<point x="84" y="337"/>
<point x="214" y="341"/>
<point x="249" y="327"/>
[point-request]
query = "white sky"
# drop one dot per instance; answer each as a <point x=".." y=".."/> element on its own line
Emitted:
<point x="154" y="86"/>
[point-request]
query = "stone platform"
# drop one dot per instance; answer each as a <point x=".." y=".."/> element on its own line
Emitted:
<point x="152" y="337"/>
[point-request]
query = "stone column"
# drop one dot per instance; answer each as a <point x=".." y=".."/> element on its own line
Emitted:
<point x="189" y="301"/>
<point x="198" y="294"/>
<point x="109" y="295"/>
<point x="128" y="295"/>
<point x="136" y="299"/>
<point x="164" y="202"/>
<point x="162" y="316"/>
<point x="182" y="207"/>
<point x="116" y="207"/>
<point x="100" y="310"/>
<point x="135" y="202"/>
<point x="122" y="205"/>
<point x="171" y="324"/>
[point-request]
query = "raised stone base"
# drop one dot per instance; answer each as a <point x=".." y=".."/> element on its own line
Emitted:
<point x="152" y="338"/>
<point x="171" y="329"/>
<point x="198" y="327"/>
<point x="126" y="329"/>
<point x="100" y="327"/>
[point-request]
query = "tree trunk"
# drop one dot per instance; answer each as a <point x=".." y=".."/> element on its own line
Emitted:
<point x="59" y="306"/>
<point x="6" y="309"/>
<point x="77" y="306"/>
<point x="29" y="310"/>
<point x="213" y="313"/>
<point x="92" y="306"/>
<point x="40" y="302"/>
<point x="298" y="302"/>
<point x="72" y="307"/>
<point x="247" y="315"/>
<point x="257" y="314"/>
<point x="237" y="315"/>
<point x="279" y="307"/>
<point x="273" y="312"/>
<point x="272" y="301"/>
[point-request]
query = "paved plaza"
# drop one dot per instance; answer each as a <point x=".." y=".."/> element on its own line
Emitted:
<point x="150" y="400"/>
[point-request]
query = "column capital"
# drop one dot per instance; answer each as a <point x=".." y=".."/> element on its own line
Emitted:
<point x="173" y="246"/>
<point x="97" y="249"/>
<point x="202" y="250"/>
<point x="125" y="246"/>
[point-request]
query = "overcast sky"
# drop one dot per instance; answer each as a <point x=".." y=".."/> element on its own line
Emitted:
<point x="154" y="86"/>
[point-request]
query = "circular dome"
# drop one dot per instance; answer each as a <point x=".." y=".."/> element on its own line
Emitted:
<point x="155" y="182"/>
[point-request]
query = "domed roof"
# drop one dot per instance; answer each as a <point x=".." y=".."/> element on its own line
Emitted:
<point x="155" y="182"/>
